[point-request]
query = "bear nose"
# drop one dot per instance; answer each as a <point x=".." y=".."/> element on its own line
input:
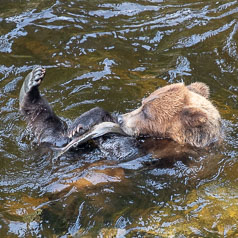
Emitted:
<point x="120" y="120"/>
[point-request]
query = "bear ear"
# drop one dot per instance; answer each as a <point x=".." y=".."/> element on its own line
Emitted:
<point x="200" y="88"/>
<point x="193" y="117"/>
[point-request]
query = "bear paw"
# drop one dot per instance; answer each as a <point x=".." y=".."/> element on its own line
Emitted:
<point x="77" y="130"/>
<point x="36" y="77"/>
<point x="33" y="79"/>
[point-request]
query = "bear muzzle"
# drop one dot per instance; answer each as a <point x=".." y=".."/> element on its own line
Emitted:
<point x="120" y="120"/>
<point x="126" y="124"/>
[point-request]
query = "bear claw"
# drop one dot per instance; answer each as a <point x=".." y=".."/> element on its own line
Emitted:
<point x="38" y="74"/>
<point x="77" y="130"/>
<point x="34" y="79"/>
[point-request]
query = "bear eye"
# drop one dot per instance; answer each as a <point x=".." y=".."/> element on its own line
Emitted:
<point x="145" y="113"/>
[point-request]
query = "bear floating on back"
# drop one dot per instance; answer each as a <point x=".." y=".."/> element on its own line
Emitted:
<point x="181" y="113"/>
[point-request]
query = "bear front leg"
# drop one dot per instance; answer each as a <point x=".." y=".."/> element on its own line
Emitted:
<point x="87" y="120"/>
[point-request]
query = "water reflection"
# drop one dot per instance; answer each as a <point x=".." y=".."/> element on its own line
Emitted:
<point x="112" y="54"/>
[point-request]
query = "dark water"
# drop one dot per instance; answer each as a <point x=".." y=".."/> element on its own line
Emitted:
<point x="111" y="54"/>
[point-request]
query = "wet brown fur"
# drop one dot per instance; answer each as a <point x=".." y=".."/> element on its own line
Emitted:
<point x="181" y="113"/>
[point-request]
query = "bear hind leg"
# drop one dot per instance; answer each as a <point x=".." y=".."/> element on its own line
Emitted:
<point x="30" y="86"/>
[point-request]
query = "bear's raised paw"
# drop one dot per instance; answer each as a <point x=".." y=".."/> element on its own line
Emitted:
<point x="31" y="84"/>
<point x="36" y="77"/>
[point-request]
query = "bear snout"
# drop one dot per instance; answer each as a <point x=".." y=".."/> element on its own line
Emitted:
<point x="120" y="120"/>
<point x="127" y="123"/>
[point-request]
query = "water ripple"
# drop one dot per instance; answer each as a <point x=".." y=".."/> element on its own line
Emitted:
<point x="112" y="54"/>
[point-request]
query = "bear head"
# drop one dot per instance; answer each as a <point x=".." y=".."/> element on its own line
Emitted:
<point x="183" y="114"/>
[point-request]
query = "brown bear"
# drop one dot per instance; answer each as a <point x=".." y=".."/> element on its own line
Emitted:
<point x="181" y="113"/>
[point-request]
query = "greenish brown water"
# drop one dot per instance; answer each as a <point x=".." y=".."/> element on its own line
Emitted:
<point x="111" y="54"/>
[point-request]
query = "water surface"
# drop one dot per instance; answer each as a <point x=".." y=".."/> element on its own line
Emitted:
<point x="112" y="54"/>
